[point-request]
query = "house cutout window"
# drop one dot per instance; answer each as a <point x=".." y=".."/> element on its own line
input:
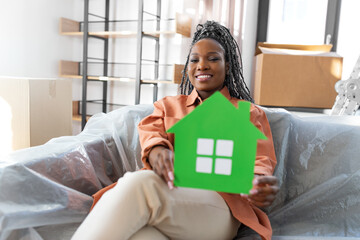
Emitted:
<point x="205" y="156"/>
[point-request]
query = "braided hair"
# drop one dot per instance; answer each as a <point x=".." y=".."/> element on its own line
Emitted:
<point x="234" y="79"/>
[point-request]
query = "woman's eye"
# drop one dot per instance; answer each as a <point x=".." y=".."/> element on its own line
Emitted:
<point x="194" y="60"/>
<point x="213" y="59"/>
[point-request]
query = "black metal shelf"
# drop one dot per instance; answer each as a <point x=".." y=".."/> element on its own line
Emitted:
<point x="85" y="58"/>
<point x="81" y="69"/>
<point x="139" y="57"/>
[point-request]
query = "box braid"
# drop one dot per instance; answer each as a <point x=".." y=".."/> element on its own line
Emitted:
<point x="234" y="79"/>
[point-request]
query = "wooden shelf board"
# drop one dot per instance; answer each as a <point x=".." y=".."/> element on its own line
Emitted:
<point x="119" y="34"/>
<point x="70" y="69"/>
<point x="114" y="34"/>
<point x="117" y="79"/>
<point x="70" y="76"/>
<point x="72" y="33"/>
<point x="182" y="26"/>
<point x="77" y="117"/>
<point x="99" y="78"/>
<point x="156" y="81"/>
<point x="157" y="33"/>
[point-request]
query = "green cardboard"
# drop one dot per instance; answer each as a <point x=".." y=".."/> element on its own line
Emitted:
<point x="215" y="147"/>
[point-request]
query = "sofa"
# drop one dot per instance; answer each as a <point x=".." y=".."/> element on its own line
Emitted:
<point x="45" y="191"/>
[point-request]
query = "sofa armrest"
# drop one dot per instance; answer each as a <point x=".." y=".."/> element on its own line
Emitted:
<point x="318" y="170"/>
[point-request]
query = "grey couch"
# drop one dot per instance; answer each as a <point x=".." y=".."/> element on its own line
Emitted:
<point x="45" y="191"/>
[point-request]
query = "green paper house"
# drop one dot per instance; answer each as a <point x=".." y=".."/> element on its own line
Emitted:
<point x="215" y="147"/>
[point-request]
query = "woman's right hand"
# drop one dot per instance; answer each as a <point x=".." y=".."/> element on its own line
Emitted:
<point x="264" y="191"/>
<point x="161" y="160"/>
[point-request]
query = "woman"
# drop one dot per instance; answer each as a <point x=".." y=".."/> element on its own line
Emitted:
<point x="145" y="204"/>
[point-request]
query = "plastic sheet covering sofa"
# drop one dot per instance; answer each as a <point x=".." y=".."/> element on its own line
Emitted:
<point x="45" y="191"/>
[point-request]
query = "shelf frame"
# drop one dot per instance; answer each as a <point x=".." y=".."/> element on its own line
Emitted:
<point x="85" y="76"/>
<point x="84" y="70"/>
<point x="70" y="69"/>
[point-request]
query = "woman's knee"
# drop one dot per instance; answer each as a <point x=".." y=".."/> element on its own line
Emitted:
<point x="138" y="178"/>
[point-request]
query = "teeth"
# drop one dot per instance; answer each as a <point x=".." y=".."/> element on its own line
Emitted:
<point x="203" y="76"/>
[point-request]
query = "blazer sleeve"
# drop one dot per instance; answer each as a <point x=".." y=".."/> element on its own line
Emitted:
<point x="265" y="161"/>
<point x="152" y="133"/>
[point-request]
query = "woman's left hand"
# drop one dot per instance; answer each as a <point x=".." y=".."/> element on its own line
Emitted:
<point x="264" y="190"/>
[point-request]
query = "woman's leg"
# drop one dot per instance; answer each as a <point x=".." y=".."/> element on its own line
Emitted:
<point x="142" y="198"/>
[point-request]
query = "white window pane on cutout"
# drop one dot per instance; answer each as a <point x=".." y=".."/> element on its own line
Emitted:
<point x="205" y="146"/>
<point x="204" y="164"/>
<point x="223" y="166"/>
<point x="224" y="148"/>
<point x="297" y="21"/>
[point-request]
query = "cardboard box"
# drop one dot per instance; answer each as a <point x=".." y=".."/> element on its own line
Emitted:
<point x="32" y="111"/>
<point x="296" y="75"/>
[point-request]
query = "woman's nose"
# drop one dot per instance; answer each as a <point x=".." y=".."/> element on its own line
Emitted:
<point x="202" y="65"/>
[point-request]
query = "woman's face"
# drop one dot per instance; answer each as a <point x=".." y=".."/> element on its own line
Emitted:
<point x="207" y="67"/>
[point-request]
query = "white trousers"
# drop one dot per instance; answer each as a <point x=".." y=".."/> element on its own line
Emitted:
<point x="141" y="206"/>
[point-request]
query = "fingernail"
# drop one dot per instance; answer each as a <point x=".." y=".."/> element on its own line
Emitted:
<point x="170" y="184"/>
<point x="255" y="182"/>
<point x="253" y="191"/>
<point x="171" y="176"/>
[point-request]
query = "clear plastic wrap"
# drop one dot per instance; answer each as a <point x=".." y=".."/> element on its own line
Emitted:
<point x="45" y="191"/>
<point x="319" y="173"/>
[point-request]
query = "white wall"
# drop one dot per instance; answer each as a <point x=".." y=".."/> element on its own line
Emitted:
<point x="349" y="35"/>
<point x="30" y="44"/>
<point x="249" y="39"/>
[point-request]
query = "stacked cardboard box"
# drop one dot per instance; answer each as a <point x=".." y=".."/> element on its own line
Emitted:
<point x="33" y="111"/>
<point x="296" y="75"/>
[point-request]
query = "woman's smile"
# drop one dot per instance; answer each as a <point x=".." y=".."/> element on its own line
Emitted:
<point x="203" y="77"/>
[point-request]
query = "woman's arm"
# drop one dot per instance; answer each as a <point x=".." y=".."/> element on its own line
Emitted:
<point x="157" y="150"/>
<point x="265" y="161"/>
<point x="265" y="186"/>
<point x="152" y="133"/>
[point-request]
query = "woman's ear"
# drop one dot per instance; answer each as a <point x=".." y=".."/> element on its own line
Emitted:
<point x="227" y="67"/>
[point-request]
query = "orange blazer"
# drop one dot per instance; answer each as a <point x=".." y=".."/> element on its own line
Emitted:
<point x="169" y="110"/>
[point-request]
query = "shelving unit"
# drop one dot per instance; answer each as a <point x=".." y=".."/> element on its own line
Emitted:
<point x="71" y="69"/>
<point x="79" y="70"/>
<point x="70" y="27"/>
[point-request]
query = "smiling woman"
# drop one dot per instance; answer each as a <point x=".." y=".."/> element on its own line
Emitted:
<point x="145" y="203"/>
